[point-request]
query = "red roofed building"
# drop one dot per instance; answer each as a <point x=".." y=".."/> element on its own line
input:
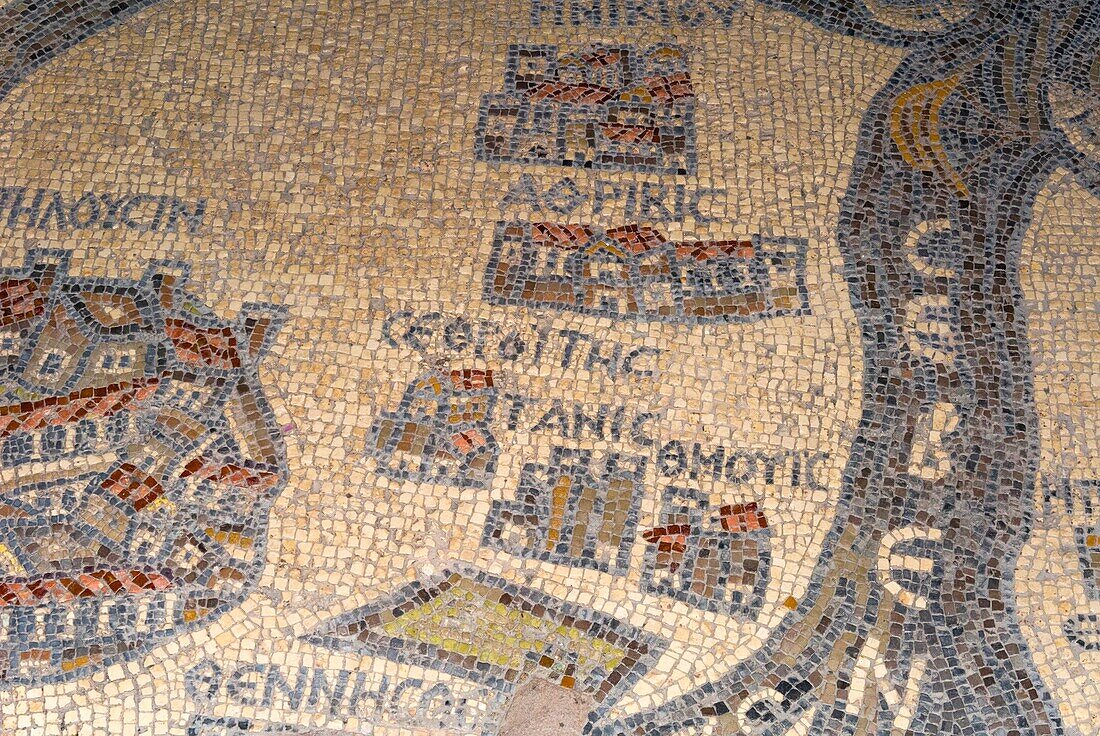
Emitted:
<point x="634" y="271"/>
<point x="617" y="107"/>
<point x="718" y="562"/>
<point x="126" y="406"/>
<point x="441" y="431"/>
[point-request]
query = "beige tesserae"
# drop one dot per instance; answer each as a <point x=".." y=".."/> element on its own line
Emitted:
<point x="550" y="367"/>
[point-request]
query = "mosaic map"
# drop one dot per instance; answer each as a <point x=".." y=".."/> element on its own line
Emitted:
<point x="550" y="368"/>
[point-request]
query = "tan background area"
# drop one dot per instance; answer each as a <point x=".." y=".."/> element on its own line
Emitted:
<point x="1061" y="280"/>
<point x="335" y="145"/>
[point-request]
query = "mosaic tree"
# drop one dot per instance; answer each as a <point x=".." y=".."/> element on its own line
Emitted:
<point x="909" y="625"/>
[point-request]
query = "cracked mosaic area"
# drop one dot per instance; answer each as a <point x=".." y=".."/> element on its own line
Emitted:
<point x="550" y="367"/>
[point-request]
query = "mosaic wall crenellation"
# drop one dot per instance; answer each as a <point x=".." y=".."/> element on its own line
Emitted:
<point x="549" y="367"/>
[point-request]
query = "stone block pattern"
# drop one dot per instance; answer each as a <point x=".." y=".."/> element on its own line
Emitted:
<point x="566" y="367"/>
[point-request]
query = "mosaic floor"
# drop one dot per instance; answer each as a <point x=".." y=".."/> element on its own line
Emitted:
<point x="550" y="367"/>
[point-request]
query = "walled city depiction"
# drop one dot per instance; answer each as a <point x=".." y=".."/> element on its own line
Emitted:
<point x="550" y="368"/>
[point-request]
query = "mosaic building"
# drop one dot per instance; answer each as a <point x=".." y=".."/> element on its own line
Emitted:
<point x="441" y="430"/>
<point x="550" y="368"/>
<point x="633" y="271"/>
<point x="576" y="510"/>
<point x="600" y="107"/>
<point x="139" y="461"/>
